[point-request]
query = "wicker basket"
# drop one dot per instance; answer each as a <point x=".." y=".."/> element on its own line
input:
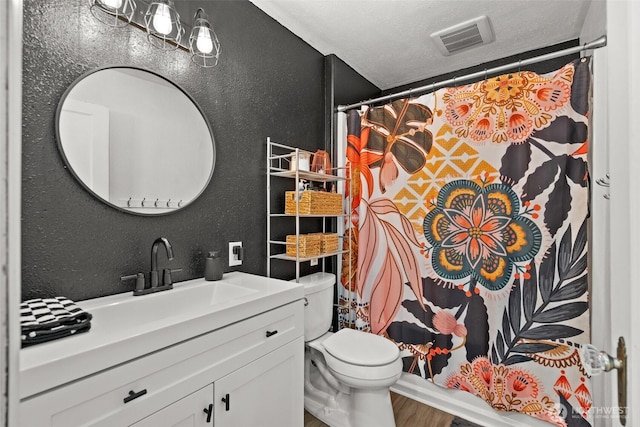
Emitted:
<point x="309" y="245"/>
<point x="313" y="203"/>
<point x="328" y="243"/>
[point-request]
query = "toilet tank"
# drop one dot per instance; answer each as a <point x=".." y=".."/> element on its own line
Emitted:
<point x="318" y="311"/>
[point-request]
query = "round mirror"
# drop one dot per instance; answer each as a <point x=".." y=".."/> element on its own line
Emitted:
<point x="135" y="140"/>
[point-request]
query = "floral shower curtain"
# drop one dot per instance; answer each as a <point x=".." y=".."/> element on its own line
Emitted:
<point x="469" y="237"/>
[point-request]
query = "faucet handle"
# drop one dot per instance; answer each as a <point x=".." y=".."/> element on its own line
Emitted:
<point x="139" y="280"/>
<point x="166" y="275"/>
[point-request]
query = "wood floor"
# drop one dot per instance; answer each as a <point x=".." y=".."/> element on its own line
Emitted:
<point x="408" y="413"/>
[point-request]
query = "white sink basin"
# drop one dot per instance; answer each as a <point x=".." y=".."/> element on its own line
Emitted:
<point x="124" y="327"/>
<point x="136" y="313"/>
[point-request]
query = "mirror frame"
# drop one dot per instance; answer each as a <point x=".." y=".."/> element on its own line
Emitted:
<point x="85" y="186"/>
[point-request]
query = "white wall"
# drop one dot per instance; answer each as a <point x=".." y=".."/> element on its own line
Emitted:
<point x="87" y="146"/>
<point x="595" y="23"/>
<point x="622" y="130"/>
<point x="624" y="127"/>
<point x="3" y="215"/>
<point x="10" y="189"/>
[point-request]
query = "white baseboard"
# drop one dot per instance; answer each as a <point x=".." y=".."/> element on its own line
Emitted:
<point x="460" y="403"/>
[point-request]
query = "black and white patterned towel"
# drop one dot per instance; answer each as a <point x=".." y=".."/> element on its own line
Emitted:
<point x="46" y="319"/>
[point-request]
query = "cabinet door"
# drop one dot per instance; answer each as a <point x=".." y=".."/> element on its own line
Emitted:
<point x="268" y="392"/>
<point x="190" y="411"/>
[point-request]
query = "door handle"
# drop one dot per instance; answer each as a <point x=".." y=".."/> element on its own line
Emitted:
<point x="133" y="395"/>
<point x="271" y="333"/>
<point x="595" y="362"/>
<point x="209" y="412"/>
<point x="227" y="401"/>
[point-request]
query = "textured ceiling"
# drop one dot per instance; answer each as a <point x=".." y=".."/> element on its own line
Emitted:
<point x="389" y="43"/>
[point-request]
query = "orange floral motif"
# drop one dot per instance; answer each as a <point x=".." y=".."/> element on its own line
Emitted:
<point x="506" y="388"/>
<point x="562" y="386"/>
<point x="509" y="107"/>
<point x="584" y="396"/>
<point x="504" y="88"/>
<point x="355" y="167"/>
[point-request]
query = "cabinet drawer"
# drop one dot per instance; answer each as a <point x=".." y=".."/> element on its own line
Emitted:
<point x="163" y="377"/>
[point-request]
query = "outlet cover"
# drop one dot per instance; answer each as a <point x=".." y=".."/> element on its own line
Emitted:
<point x="235" y="258"/>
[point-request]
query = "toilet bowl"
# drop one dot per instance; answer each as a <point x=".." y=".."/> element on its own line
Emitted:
<point x="347" y="373"/>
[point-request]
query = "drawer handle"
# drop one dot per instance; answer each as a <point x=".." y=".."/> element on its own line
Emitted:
<point x="271" y="333"/>
<point x="134" y="395"/>
<point x="227" y="401"/>
<point x="209" y="412"/>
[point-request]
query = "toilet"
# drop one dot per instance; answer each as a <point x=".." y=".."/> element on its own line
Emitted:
<point x="347" y="373"/>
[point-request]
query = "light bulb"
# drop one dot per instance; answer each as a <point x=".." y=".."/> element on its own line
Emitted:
<point x="203" y="42"/>
<point x="162" y="19"/>
<point x="112" y="4"/>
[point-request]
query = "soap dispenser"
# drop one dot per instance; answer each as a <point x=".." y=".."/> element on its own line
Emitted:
<point x="213" y="266"/>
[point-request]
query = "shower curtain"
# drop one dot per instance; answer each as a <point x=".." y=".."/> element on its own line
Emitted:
<point x="469" y="237"/>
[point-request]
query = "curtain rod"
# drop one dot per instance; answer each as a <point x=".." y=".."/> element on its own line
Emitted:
<point x="598" y="43"/>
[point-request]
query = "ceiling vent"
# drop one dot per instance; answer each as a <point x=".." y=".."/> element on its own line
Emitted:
<point x="474" y="32"/>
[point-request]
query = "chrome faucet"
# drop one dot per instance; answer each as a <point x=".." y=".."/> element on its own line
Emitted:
<point x="154" y="258"/>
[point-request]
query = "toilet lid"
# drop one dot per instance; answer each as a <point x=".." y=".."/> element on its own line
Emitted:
<point x="361" y="348"/>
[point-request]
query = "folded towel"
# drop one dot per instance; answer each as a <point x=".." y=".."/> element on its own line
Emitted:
<point x="36" y="337"/>
<point x="46" y="319"/>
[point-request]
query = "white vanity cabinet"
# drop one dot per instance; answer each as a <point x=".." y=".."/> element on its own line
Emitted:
<point x="256" y="364"/>
<point x="265" y="393"/>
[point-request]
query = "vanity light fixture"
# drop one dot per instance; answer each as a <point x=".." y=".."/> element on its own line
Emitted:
<point x="162" y="22"/>
<point x="115" y="13"/>
<point x="203" y="42"/>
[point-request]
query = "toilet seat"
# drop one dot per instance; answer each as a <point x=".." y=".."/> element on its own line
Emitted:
<point x="361" y="355"/>
<point x="361" y="348"/>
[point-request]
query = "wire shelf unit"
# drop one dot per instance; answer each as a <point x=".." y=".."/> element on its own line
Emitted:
<point x="283" y="161"/>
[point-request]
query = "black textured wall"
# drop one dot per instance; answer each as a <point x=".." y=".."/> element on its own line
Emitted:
<point x="344" y="86"/>
<point x="268" y="83"/>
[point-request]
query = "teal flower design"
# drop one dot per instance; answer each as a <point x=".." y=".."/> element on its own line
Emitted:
<point x="478" y="231"/>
